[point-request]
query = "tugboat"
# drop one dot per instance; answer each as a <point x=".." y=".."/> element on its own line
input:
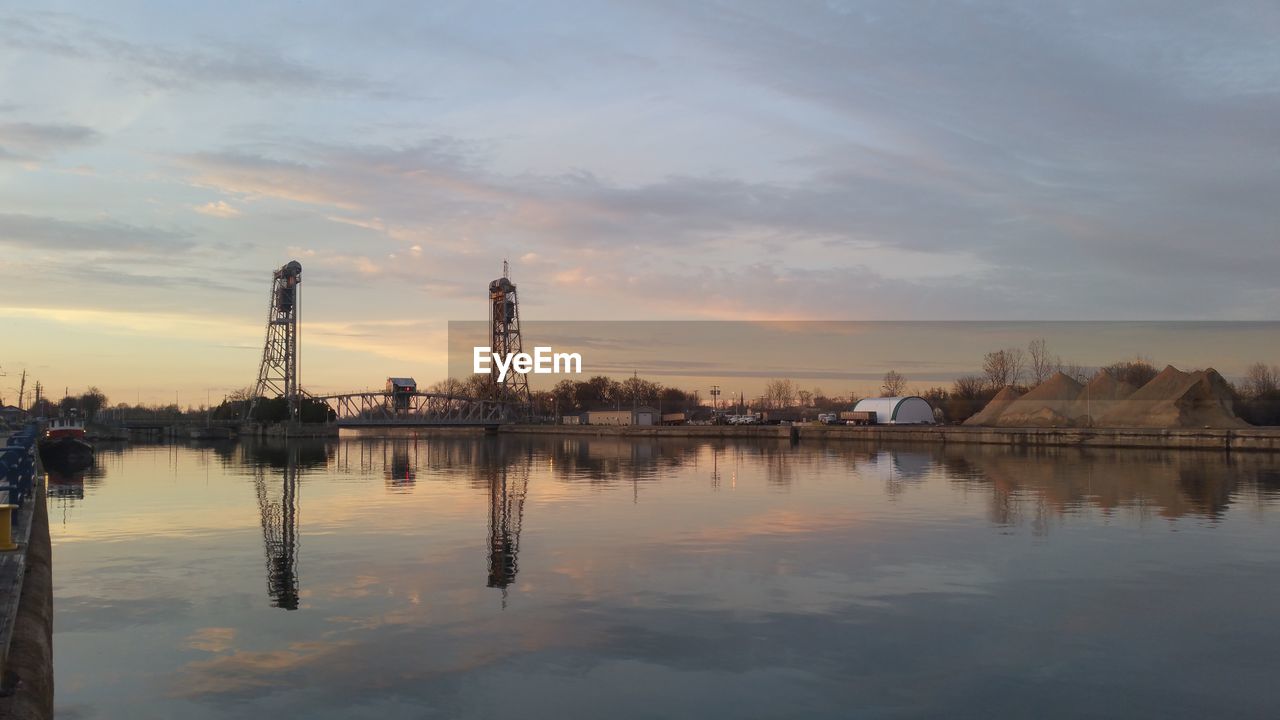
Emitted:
<point x="63" y="445"/>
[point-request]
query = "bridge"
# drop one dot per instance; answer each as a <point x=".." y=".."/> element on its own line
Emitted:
<point x="278" y="373"/>
<point x="383" y="409"/>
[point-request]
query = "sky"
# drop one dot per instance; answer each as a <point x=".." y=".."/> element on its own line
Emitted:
<point x="633" y="160"/>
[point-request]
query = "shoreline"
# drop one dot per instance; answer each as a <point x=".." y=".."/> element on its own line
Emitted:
<point x="1221" y="439"/>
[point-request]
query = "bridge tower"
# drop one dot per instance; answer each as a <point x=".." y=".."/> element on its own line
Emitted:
<point x="278" y="376"/>
<point x="504" y="339"/>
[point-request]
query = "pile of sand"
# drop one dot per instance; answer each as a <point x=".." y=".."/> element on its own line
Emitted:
<point x="1173" y="399"/>
<point x="1176" y="399"/>
<point x="1103" y="393"/>
<point x="991" y="412"/>
<point x="1049" y="404"/>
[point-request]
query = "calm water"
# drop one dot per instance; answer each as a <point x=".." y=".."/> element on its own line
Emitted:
<point x="473" y="577"/>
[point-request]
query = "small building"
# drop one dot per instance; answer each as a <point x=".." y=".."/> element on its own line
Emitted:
<point x="638" y="416"/>
<point x="400" y="389"/>
<point x="570" y="419"/>
<point x="910" y="410"/>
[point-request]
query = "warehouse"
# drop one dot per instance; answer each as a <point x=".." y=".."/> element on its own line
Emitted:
<point x="911" y="410"/>
<point x="638" y="416"/>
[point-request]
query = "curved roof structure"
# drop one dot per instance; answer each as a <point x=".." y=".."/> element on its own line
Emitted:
<point x="909" y="410"/>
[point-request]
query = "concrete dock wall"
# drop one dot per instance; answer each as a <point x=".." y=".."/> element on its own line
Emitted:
<point x="30" y="658"/>
<point x="1249" y="440"/>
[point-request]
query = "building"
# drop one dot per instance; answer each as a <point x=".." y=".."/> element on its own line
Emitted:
<point x="910" y="410"/>
<point x="400" y="389"/>
<point x="638" y="416"/>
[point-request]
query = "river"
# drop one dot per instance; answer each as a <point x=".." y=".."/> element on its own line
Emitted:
<point x="464" y="576"/>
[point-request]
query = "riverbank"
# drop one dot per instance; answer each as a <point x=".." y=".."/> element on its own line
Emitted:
<point x="26" y="606"/>
<point x="1243" y="440"/>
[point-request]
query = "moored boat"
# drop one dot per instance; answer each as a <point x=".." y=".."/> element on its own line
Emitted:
<point x="63" y="444"/>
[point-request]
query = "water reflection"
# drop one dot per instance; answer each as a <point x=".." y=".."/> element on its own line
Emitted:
<point x="666" y="577"/>
<point x="277" y="489"/>
<point x="507" y="491"/>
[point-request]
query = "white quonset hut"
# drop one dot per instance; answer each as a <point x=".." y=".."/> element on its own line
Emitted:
<point x="911" y="410"/>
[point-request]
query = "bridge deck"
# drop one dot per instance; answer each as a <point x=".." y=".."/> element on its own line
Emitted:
<point x="414" y="409"/>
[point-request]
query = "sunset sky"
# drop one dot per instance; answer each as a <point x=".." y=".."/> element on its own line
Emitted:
<point x="644" y="161"/>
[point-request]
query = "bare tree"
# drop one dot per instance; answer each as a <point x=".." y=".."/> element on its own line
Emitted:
<point x="1042" y="364"/>
<point x="1137" y="372"/>
<point x="1075" y="371"/>
<point x="893" y="385"/>
<point x="1261" y="378"/>
<point x="1003" y="368"/>
<point x="804" y="397"/>
<point x="779" y="394"/>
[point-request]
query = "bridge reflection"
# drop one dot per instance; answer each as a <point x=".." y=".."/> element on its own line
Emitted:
<point x="1018" y="487"/>
<point x="276" y="470"/>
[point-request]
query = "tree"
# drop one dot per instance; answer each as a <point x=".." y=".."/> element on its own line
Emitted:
<point x="1137" y="372"/>
<point x="893" y="385"/>
<point x="804" y="397"/>
<point x="1072" y="370"/>
<point x="91" y="402"/>
<point x="969" y="394"/>
<point x="1042" y="364"/>
<point x="448" y="386"/>
<point x="1261" y="379"/>
<point x="779" y="394"/>
<point x="1003" y="368"/>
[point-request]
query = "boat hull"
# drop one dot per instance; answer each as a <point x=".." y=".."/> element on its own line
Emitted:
<point x="66" y="452"/>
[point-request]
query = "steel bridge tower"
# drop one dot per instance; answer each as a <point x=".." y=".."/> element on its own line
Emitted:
<point x="504" y="339"/>
<point x="278" y="376"/>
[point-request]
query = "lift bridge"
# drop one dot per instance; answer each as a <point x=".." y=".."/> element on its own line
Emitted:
<point x="393" y="408"/>
<point x="398" y="405"/>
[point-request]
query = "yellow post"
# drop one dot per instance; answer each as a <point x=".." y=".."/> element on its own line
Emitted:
<point x="6" y="525"/>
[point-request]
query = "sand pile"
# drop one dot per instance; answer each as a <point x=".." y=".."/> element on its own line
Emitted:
<point x="1103" y="393"/>
<point x="993" y="409"/>
<point x="1050" y="404"/>
<point x="1176" y="399"/>
<point x="1173" y="399"/>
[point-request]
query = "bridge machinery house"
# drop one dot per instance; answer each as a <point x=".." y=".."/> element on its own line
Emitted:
<point x="400" y="389"/>
<point x="638" y="416"/>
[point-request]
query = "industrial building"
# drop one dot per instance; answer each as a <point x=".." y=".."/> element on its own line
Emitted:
<point x="912" y="410"/>
<point x="637" y="416"/>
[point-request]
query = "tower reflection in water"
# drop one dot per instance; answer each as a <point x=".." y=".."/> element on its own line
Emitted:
<point x="507" y="491"/>
<point x="278" y="504"/>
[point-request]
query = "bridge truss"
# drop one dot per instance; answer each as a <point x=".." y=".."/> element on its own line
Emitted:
<point x="392" y="409"/>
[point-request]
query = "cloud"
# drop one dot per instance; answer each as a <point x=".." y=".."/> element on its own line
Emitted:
<point x="211" y="63"/>
<point x="219" y="209"/>
<point x="33" y="141"/>
<point x="31" y="231"/>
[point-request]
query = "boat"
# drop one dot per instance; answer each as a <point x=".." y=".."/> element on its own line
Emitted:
<point x="63" y="445"/>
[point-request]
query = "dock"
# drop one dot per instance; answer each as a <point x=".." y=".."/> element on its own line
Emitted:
<point x="1221" y="439"/>
<point x="26" y="584"/>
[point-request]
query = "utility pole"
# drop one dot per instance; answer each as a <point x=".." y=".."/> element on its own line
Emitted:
<point x="22" y="390"/>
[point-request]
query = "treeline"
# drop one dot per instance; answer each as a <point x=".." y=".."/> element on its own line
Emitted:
<point x="87" y="404"/>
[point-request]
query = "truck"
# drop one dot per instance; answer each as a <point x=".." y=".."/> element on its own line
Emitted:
<point x="861" y="417"/>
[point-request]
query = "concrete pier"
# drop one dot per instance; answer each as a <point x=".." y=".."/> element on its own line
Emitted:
<point x="26" y="588"/>
<point x="1246" y="440"/>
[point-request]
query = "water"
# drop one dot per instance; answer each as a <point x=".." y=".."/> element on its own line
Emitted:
<point x="474" y="577"/>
